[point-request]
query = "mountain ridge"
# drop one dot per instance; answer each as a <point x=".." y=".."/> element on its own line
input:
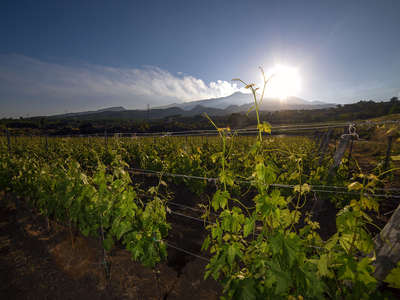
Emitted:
<point x="235" y="103"/>
<point x="240" y="99"/>
<point x="112" y="109"/>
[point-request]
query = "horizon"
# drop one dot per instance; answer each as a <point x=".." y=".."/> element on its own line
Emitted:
<point x="58" y="58"/>
<point x="99" y="109"/>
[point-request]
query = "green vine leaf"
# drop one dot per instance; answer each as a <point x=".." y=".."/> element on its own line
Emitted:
<point x="220" y="199"/>
<point x="355" y="186"/>
<point x="393" y="278"/>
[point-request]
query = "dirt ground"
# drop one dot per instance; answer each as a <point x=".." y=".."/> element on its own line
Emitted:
<point x="37" y="263"/>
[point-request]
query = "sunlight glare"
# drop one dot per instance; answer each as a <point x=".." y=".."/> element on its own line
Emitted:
<point x="285" y="82"/>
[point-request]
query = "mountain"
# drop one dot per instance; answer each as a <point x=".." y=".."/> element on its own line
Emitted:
<point x="246" y="100"/>
<point x="115" y="108"/>
<point x="235" y="103"/>
<point x="237" y="98"/>
<point x="292" y="103"/>
<point x="135" y="114"/>
<point x="109" y="109"/>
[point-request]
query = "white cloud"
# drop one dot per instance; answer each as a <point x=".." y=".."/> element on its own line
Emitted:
<point x="33" y="86"/>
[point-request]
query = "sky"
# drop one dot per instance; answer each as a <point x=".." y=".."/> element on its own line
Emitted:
<point x="65" y="56"/>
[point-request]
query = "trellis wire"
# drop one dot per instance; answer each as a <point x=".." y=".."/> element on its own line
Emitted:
<point x="190" y="217"/>
<point x="206" y="132"/>
<point x="345" y="187"/>
<point x="185" y="251"/>
<point x="254" y="130"/>
<point x="207" y="259"/>
<point x="153" y="172"/>
<point x="188" y="207"/>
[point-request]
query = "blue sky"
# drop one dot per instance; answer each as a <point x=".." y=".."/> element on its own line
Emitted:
<point x="58" y="56"/>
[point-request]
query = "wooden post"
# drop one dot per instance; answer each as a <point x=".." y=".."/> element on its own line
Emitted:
<point x="389" y="149"/>
<point x="387" y="246"/>
<point x="46" y="144"/>
<point x="337" y="158"/>
<point x="8" y="141"/>
<point x="322" y="139"/>
<point x="105" y="138"/>
<point x="323" y="210"/>
<point x="349" y="157"/>
<point x="324" y="145"/>
<point x="316" y="137"/>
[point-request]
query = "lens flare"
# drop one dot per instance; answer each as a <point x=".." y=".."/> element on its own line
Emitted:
<point x="283" y="82"/>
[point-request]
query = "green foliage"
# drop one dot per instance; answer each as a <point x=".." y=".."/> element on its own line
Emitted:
<point x="263" y="242"/>
<point x="267" y="253"/>
<point x="393" y="278"/>
<point x="103" y="203"/>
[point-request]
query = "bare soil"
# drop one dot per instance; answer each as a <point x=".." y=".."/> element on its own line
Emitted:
<point x="41" y="263"/>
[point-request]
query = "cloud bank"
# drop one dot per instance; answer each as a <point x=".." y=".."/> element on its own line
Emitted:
<point x="31" y="86"/>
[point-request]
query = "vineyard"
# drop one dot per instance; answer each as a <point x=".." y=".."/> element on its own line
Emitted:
<point x="277" y="213"/>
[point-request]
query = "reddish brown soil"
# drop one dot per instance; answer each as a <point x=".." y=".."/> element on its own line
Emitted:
<point x="36" y="263"/>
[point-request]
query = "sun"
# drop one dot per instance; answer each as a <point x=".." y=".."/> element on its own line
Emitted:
<point x="284" y="82"/>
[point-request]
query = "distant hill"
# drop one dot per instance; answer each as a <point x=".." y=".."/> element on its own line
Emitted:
<point x="243" y="100"/>
<point x="178" y="119"/>
<point x="115" y="108"/>
<point x="235" y="103"/>
<point x="112" y="109"/>
<point x="139" y="115"/>
<point x="237" y="99"/>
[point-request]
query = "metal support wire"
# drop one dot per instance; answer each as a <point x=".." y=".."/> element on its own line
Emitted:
<point x="355" y="193"/>
<point x="190" y="217"/>
<point x="279" y="185"/>
<point x="352" y="132"/>
<point x="345" y="187"/>
<point x="205" y="132"/>
<point x="281" y="128"/>
<point x="189" y="207"/>
<point x="186" y="251"/>
<point x="145" y="171"/>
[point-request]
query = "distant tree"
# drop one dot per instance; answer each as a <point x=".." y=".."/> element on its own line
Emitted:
<point x="86" y="127"/>
<point x="394" y="101"/>
<point x="41" y="123"/>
